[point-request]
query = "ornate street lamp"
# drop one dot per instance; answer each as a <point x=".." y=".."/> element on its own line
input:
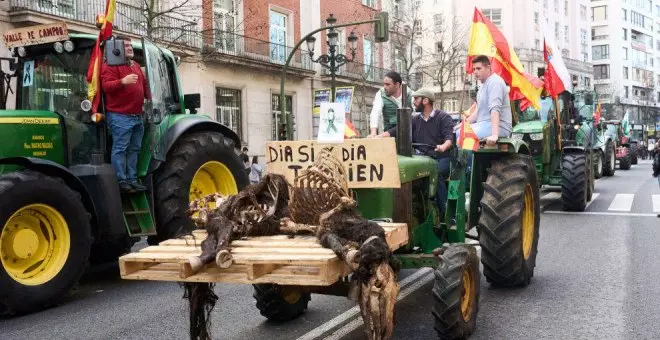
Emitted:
<point x="333" y="60"/>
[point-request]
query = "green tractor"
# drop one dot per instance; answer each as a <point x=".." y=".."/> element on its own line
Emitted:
<point x="62" y="207"/>
<point x="624" y="150"/>
<point x="560" y="139"/>
<point x="503" y="206"/>
<point x="604" y="157"/>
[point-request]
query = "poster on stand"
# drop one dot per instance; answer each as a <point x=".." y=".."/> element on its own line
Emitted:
<point x="332" y="124"/>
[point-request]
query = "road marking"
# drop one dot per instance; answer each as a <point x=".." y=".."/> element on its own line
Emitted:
<point x="593" y="198"/>
<point x="622" y="202"/>
<point x="599" y="213"/>
<point x="353" y="325"/>
<point x="355" y="311"/>
<point x="656" y="203"/>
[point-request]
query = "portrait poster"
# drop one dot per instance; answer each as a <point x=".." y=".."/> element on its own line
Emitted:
<point x="344" y="95"/>
<point x="320" y="96"/>
<point x="332" y="123"/>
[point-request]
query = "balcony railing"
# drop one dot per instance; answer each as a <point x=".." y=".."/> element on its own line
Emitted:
<point x="128" y="18"/>
<point x="360" y="72"/>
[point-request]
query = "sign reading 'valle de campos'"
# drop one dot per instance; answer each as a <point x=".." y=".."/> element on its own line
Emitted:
<point x="368" y="162"/>
<point x="34" y="35"/>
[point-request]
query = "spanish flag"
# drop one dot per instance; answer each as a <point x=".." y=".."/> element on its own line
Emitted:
<point x="597" y="113"/>
<point x="96" y="58"/>
<point x="486" y="39"/>
<point x="468" y="140"/>
<point x="350" y="131"/>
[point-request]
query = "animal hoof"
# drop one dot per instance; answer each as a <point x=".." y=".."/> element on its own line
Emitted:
<point x="195" y="263"/>
<point x="223" y="259"/>
<point x="353" y="259"/>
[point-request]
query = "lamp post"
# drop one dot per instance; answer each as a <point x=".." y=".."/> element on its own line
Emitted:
<point x="332" y="60"/>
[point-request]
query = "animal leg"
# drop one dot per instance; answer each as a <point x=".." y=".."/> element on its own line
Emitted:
<point x="287" y="226"/>
<point x="346" y="251"/>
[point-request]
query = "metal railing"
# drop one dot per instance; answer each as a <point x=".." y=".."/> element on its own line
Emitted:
<point x="128" y="18"/>
<point x="360" y="72"/>
<point x="230" y="43"/>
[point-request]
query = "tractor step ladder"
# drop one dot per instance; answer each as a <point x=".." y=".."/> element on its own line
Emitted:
<point x="137" y="214"/>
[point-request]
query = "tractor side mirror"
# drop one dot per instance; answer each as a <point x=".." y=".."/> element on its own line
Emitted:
<point x="192" y="102"/>
<point x="115" y="53"/>
<point x="589" y="99"/>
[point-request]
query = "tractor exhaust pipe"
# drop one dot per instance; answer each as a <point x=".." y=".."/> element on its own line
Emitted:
<point x="403" y="125"/>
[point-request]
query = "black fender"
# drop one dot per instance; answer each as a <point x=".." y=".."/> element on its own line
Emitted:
<point x="573" y="149"/>
<point x="53" y="169"/>
<point x="190" y="125"/>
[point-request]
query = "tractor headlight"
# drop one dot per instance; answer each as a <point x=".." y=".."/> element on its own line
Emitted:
<point x="536" y="136"/>
<point x="59" y="48"/>
<point x="68" y="46"/>
<point x="577" y="127"/>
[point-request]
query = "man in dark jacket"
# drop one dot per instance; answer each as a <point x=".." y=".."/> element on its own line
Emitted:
<point x="433" y="131"/>
<point x="125" y="89"/>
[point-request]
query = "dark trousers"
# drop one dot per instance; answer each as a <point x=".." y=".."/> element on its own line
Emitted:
<point x="443" y="173"/>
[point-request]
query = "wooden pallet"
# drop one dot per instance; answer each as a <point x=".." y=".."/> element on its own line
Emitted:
<point x="269" y="259"/>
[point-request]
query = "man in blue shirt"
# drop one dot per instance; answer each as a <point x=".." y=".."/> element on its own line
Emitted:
<point x="493" y="118"/>
<point x="433" y="130"/>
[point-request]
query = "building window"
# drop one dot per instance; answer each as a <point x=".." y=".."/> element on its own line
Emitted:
<point x="224" y="21"/>
<point x="370" y="3"/>
<point x="566" y="7"/>
<point x="536" y="17"/>
<point x="566" y="33"/>
<point x="368" y="58"/>
<point x="625" y="34"/>
<point x="587" y="82"/>
<point x="278" y="37"/>
<point x="60" y="8"/>
<point x="599" y="52"/>
<point x="494" y="15"/>
<point x="601" y="72"/>
<point x="228" y="108"/>
<point x="583" y="12"/>
<point x="599" y="33"/>
<point x="437" y="23"/>
<point x="537" y="44"/>
<point x="624" y="52"/>
<point x="599" y="13"/>
<point x="556" y="31"/>
<point x="625" y="72"/>
<point x="624" y="14"/>
<point x="276" y="111"/>
<point x="625" y="92"/>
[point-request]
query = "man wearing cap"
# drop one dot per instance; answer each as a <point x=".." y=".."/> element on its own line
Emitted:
<point x="433" y="130"/>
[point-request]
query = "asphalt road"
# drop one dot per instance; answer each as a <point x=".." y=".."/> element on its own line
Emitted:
<point x="597" y="277"/>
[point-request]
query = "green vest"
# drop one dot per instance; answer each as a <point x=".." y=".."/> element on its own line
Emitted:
<point x="389" y="109"/>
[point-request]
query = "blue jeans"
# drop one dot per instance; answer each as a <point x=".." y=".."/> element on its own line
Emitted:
<point x="443" y="173"/>
<point x="127" y="132"/>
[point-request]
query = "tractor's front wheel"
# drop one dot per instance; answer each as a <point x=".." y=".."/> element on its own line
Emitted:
<point x="45" y="238"/>
<point x="509" y="222"/>
<point x="575" y="182"/>
<point x="598" y="164"/>
<point x="610" y="159"/>
<point x="625" y="162"/>
<point x="281" y="303"/>
<point x="199" y="164"/>
<point x="456" y="292"/>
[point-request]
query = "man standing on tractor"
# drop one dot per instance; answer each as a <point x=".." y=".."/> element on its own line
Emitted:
<point x="493" y="118"/>
<point x="125" y="89"/>
<point x="386" y="101"/>
<point x="433" y="131"/>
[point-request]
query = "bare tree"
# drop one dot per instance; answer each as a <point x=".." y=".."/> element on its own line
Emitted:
<point x="447" y="59"/>
<point x="406" y="35"/>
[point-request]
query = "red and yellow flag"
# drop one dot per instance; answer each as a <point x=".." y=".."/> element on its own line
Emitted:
<point x="486" y="39"/>
<point x="468" y="140"/>
<point x="350" y="131"/>
<point x="597" y="113"/>
<point x="96" y="58"/>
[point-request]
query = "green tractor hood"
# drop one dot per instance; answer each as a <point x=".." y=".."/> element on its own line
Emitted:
<point x="29" y="133"/>
<point x="534" y="126"/>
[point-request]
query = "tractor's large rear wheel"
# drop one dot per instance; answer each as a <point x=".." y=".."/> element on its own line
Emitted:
<point x="610" y="159"/>
<point x="575" y="182"/>
<point x="45" y="238"/>
<point x="456" y="292"/>
<point x="633" y="153"/>
<point x="509" y="222"/>
<point x="281" y="303"/>
<point x="199" y="164"/>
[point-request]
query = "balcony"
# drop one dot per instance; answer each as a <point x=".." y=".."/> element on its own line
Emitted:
<point x="81" y="16"/>
<point x="357" y="73"/>
<point x="234" y="48"/>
